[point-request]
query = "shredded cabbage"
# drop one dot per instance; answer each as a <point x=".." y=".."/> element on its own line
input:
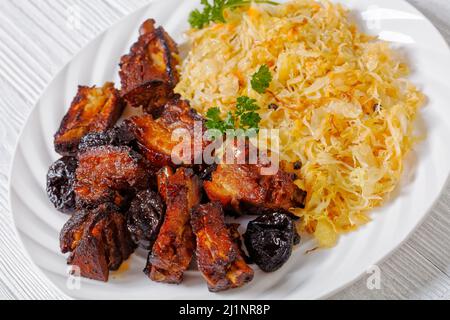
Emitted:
<point x="345" y="111"/>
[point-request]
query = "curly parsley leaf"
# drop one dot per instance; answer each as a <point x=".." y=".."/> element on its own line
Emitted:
<point x="261" y="79"/>
<point x="230" y="121"/>
<point x="250" y="120"/>
<point x="214" y="12"/>
<point x="245" y="117"/>
<point x="198" y="19"/>
<point x="246" y="109"/>
<point x="214" y="120"/>
<point x="245" y="104"/>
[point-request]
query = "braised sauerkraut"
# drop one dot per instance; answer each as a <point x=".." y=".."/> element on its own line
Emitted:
<point x="345" y="109"/>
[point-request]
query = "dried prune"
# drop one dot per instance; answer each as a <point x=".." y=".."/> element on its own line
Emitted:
<point x="60" y="184"/>
<point x="92" y="140"/>
<point x="121" y="135"/>
<point x="145" y="217"/>
<point x="117" y="136"/>
<point x="269" y="240"/>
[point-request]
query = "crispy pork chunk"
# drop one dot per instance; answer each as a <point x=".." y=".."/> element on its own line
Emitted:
<point x="162" y="177"/>
<point x="155" y="136"/>
<point x="238" y="240"/>
<point x="94" y="110"/>
<point x="173" y="250"/>
<point x="218" y="256"/>
<point x="243" y="188"/>
<point x="148" y="73"/>
<point x="108" y="174"/>
<point x="98" y="241"/>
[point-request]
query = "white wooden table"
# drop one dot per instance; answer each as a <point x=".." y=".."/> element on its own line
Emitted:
<point x="35" y="42"/>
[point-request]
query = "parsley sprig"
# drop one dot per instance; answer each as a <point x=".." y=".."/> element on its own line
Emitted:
<point x="261" y="79"/>
<point x="246" y="109"/>
<point x="245" y="117"/>
<point x="214" y="121"/>
<point x="214" y="12"/>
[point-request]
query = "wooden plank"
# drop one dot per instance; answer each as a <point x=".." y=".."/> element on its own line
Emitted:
<point x="35" y="44"/>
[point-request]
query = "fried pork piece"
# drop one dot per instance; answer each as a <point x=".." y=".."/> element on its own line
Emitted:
<point x="98" y="241"/>
<point x="154" y="136"/>
<point x="242" y="187"/>
<point x="162" y="177"/>
<point x="108" y="174"/>
<point x="148" y="73"/>
<point x="93" y="110"/>
<point x="175" y="245"/>
<point x="218" y="256"/>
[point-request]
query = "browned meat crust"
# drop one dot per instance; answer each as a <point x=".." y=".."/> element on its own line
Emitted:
<point x="154" y="137"/>
<point x="175" y="245"/>
<point x="148" y="73"/>
<point x="93" y="110"/>
<point x="218" y="256"/>
<point x="72" y="231"/>
<point x="99" y="241"/>
<point x="242" y="187"/>
<point x="107" y="174"/>
<point x="238" y="241"/>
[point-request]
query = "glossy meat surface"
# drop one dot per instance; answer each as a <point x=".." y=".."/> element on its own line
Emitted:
<point x="155" y="136"/>
<point x="93" y="110"/>
<point x="107" y="174"/>
<point x="173" y="250"/>
<point x="218" y="256"/>
<point x="162" y="177"/>
<point x="148" y="73"/>
<point x="98" y="241"/>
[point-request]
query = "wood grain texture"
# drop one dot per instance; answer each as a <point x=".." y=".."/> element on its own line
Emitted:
<point x="36" y="41"/>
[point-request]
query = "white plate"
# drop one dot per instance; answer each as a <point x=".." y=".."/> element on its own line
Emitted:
<point x="305" y="276"/>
